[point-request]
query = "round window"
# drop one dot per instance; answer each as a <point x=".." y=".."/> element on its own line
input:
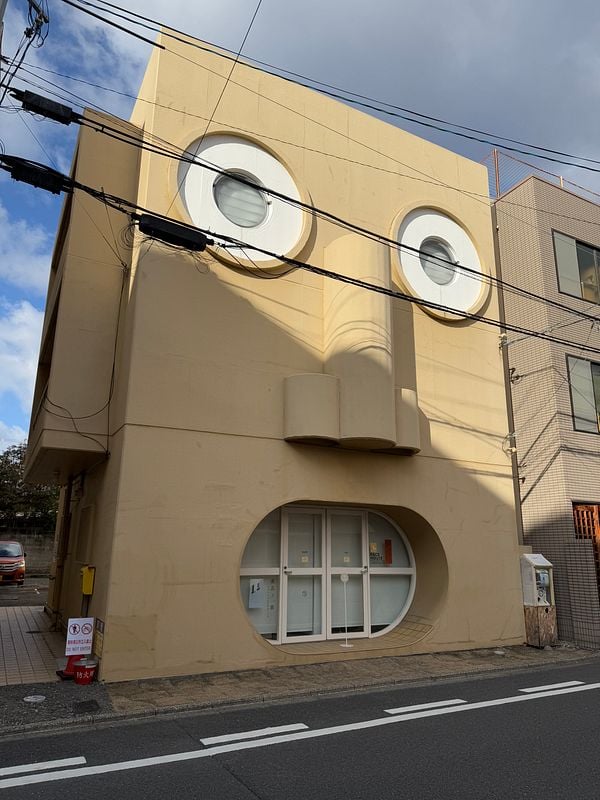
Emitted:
<point x="437" y="261"/>
<point x="240" y="203"/>
<point x="235" y="190"/>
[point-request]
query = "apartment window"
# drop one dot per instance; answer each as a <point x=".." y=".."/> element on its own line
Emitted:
<point x="578" y="267"/>
<point x="584" y="381"/>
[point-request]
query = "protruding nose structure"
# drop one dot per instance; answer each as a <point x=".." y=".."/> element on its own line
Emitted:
<point x="357" y="334"/>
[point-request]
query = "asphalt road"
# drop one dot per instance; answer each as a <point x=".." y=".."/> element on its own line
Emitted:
<point x="483" y="738"/>
<point x="34" y="592"/>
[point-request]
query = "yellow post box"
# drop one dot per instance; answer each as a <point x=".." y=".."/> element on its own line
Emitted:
<point x="87" y="579"/>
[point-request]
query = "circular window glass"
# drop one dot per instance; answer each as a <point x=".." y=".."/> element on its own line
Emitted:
<point x="435" y="256"/>
<point x="243" y="205"/>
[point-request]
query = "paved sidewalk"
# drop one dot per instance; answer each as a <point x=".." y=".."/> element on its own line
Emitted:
<point x="67" y="704"/>
<point x="28" y="649"/>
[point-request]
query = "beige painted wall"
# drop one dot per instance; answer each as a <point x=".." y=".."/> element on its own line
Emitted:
<point x="198" y="418"/>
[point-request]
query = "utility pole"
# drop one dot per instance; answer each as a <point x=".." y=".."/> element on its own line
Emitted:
<point x="3" y="4"/>
<point x="38" y="18"/>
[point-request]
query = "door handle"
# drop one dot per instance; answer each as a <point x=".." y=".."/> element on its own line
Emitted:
<point x="287" y="571"/>
<point x="364" y="569"/>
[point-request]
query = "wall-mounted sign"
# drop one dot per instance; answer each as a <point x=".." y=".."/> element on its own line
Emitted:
<point x="98" y="644"/>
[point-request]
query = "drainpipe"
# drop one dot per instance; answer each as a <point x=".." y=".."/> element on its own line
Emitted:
<point x="62" y="549"/>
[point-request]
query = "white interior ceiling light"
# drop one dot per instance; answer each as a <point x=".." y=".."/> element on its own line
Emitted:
<point x="432" y="249"/>
<point x="242" y="209"/>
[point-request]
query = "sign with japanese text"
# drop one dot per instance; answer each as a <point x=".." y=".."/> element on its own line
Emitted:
<point x="80" y="634"/>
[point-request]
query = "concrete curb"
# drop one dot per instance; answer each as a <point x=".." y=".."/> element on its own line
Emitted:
<point x="87" y="720"/>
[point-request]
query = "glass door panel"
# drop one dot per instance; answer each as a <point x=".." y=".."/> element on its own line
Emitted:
<point x="346" y="540"/>
<point x="304" y="605"/>
<point x="347" y="581"/>
<point x="303" y="591"/>
<point x="304" y="540"/>
<point x="347" y="609"/>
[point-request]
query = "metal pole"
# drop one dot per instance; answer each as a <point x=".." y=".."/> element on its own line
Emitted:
<point x="497" y="171"/>
<point x="3" y="4"/>
<point x="508" y="388"/>
<point x="344" y="580"/>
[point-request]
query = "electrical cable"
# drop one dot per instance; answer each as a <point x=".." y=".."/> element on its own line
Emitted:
<point x="554" y="395"/>
<point x="123" y="136"/>
<point x="83" y="102"/>
<point x="323" y="215"/>
<point x="569" y="310"/>
<point x="32" y="36"/>
<point x="336" y="92"/>
<point x="125" y="273"/>
<point x="474" y="274"/>
<point x="13" y="67"/>
<point x="113" y="24"/>
<point x="222" y="93"/>
<point x="132" y="210"/>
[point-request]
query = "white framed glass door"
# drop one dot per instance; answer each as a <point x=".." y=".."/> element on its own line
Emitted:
<point x="303" y="575"/>
<point x="310" y="573"/>
<point x="347" y="568"/>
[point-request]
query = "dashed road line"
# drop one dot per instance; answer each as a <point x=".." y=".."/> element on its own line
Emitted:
<point x="40" y="765"/>
<point x="211" y="752"/>
<point x="551" y="686"/>
<point x="423" y="706"/>
<point x="232" y="737"/>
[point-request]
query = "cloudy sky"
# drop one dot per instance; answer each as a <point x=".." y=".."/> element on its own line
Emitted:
<point x="520" y="68"/>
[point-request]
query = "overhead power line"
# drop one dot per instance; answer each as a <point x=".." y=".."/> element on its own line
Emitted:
<point x="122" y="135"/>
<point x="223" y="90"/>
<point x="113" y="24"/>
<point x="134" y="210"/>
<point x="363" y="101"/>
<point x="422" y="177"/>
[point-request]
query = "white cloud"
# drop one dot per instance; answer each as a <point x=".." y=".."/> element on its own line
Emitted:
<point x="25" y="253"/>
<point x="10" y="434"/>
<point x="20" y="332"/>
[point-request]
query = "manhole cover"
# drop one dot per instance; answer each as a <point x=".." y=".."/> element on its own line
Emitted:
<point x="85" y="706"/>
<point x="34" y="698"/>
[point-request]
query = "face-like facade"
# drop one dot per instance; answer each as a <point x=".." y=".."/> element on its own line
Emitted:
<point x="295" y="459"/>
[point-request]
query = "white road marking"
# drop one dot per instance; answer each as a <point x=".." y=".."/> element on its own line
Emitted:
<point x="552" y="686"/>
<point x="40" y="765"/>
<point x="422" y="706"/>
<point x="173" y="758"/>
<point x="233" y="737"/>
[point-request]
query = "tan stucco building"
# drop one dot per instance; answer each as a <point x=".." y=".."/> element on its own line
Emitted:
<point x="264" y="464"/>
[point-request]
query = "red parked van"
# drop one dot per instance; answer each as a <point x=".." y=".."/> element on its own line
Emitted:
<point x="12" y="563"/>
